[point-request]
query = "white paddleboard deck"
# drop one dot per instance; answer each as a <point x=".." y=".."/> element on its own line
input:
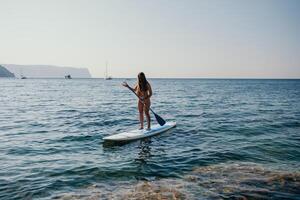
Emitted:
<point x="139" y="134"/>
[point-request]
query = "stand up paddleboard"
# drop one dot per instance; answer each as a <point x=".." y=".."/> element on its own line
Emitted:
<point x="139" y="134"/>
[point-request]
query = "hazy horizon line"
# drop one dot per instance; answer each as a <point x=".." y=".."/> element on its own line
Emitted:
<point x="149" y="78"/>
<point x="175" y="77"/>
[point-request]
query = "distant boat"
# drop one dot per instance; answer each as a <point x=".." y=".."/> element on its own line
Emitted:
<point x="106" y="74"/>
<point x="68" y="76"/>
<point x="21" y="74"/>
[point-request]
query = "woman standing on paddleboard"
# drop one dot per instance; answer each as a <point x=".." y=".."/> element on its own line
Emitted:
<point x="144" y="92"/>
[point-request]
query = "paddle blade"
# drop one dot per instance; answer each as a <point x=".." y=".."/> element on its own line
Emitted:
<point x="159" y="120"/>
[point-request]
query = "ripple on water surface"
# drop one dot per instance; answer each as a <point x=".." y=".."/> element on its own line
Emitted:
<point x="234" y="139"/>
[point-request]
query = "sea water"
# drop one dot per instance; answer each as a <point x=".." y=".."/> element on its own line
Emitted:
<point x="234" y="139"/>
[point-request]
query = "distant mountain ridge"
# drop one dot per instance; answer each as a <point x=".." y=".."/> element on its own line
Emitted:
<point x="5" y="73"/>
<point x="47" y="71"/>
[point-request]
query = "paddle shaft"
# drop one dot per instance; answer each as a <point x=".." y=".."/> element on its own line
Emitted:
<point x="132" y="90"/>
<point x="158" y="118"/>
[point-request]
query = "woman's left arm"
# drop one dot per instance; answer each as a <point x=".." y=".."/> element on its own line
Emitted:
<point x="149" y="91"/>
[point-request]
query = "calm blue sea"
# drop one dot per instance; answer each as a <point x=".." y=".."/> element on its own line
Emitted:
<point x="234" y="139"/>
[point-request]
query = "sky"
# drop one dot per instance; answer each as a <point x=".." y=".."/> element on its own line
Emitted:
<point x="163" y="38"/>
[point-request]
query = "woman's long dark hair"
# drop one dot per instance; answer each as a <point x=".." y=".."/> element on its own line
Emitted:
<point x="142" y="83"/>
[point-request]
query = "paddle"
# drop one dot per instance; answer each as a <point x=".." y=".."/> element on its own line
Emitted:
<point x="158" y="118"/>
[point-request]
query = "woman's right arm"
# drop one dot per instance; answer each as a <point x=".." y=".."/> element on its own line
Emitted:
<point x="126" y="85"/>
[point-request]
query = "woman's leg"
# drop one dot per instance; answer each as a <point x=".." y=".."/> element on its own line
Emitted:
<point x="147" y="108"/>
<point x="141" y="113"/>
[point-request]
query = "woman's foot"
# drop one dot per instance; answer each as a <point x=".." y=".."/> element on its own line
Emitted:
<point x="148" y="129"/>
<point x="141" y="128"/>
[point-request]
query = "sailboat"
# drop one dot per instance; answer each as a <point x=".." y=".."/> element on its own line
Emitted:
<point x="106" y="74"/>
<point x="21" y="74"/>
<point x="68" y="76"/>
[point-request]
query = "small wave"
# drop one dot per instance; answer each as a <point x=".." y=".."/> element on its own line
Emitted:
<point x="189" y="115"/>
<point x="290" y="124"/>
<point x="75" y="138"/>
<point x="67" y="111"/>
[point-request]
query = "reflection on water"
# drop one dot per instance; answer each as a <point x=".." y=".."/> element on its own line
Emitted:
<point x="144" y="150"/>
<point x="144" y="153"/>
<point x="223" y="181"/>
